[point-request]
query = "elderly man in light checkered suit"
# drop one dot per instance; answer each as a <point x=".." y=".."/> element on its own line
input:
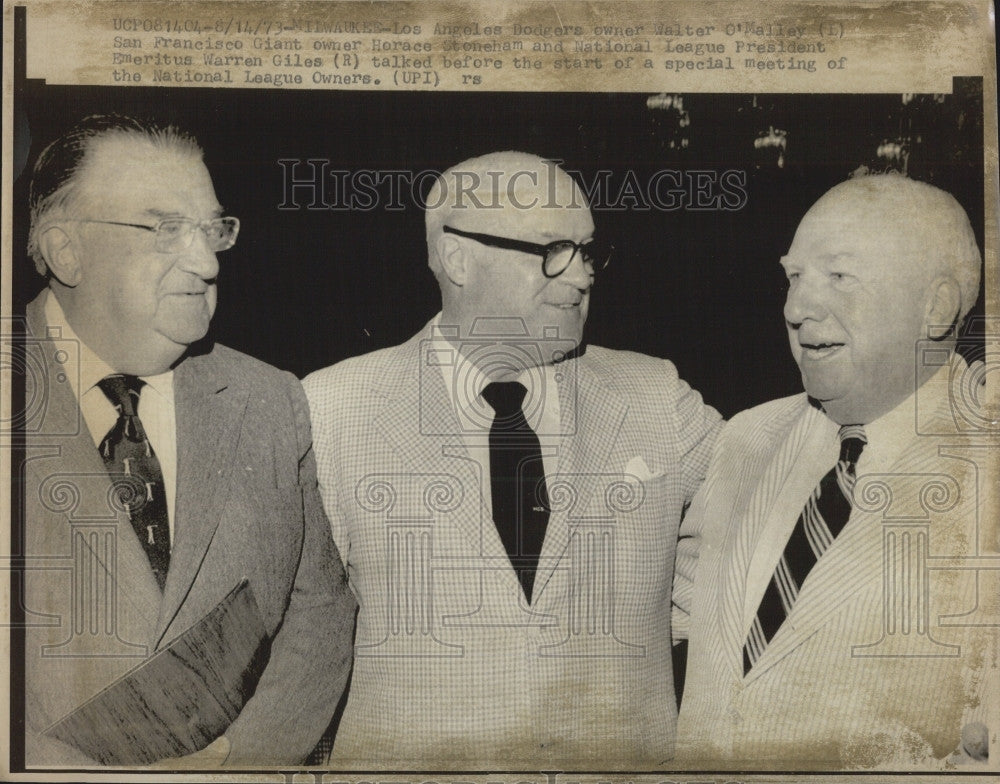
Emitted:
<point x="506" y="500"/>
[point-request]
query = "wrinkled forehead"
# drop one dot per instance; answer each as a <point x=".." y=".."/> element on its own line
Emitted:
<point x="137" y="172"/>
<point x="527" y="199"/>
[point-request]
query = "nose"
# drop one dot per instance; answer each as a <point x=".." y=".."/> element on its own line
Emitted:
<point x="199" y="259"/>
<point x="579" y="273"/>
<point x="804" y="301"/>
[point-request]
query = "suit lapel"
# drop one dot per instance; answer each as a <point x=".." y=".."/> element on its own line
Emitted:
<point x="418" y="420"/>
<point x="210" y="409"/>
<point x="852" y="564"/>
<point x="76" y="456"/>
<point x="128" y="566"/>
<point x="843" y="573"/>
<point x="772" y="450"/>
<point x="591" y="415"/>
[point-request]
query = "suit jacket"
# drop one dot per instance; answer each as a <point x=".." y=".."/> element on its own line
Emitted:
<point x="881" y="661"/>
<point x="247" y="506"/>
<point x="452" y="668"/>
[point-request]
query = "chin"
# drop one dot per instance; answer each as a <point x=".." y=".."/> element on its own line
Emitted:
<point x="568" y="340"/>
<point x="825" y="395"/>
<point x="186" y="334"/>
<point x="824" y="383"/>
<point x="571" y="327"/>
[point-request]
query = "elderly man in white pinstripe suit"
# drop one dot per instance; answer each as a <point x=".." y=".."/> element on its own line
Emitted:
<point x="507" y="501"/>
<point x="838" y="605"/>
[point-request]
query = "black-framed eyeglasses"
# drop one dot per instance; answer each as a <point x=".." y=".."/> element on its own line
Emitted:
<point x="176" y="234"/>
<point x="556" y="256"/>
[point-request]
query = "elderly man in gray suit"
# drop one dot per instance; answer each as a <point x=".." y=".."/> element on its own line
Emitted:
<point x="125" y="225"/>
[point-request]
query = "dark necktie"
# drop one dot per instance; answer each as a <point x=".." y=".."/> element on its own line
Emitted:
<point x="135" y="473"/>
<point x="517" y="481"/>
<point x="821" y="520"/>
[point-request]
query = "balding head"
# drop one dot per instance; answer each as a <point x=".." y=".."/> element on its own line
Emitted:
<point x="498" y="192"/>
<point x="878" y="264"/>
<point x="925" y="227"/>
<point x="504" y="197"/>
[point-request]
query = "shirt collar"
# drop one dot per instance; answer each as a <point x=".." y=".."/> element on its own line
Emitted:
<point x="892" y="432"/>
<point x="465" y="381"/>
<point x="92" y="367"/>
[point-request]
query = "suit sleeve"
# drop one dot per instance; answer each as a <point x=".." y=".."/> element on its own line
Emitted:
<point x="700" y="428"/>
<point x="312" y="652"/>
<point x="684" y="569"/>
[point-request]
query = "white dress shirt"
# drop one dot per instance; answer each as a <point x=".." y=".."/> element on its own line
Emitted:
<point x="465" y="381"/>
<point x="156" y="401"/>
<point x="818" y="453"/>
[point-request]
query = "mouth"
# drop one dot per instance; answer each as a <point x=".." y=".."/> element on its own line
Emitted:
<point x="818" y="351"/>
<point x="565" y="305"/>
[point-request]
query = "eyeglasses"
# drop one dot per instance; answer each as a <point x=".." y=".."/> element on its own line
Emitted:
<point x="556" y="256"/>
<point x="176" y="234"/>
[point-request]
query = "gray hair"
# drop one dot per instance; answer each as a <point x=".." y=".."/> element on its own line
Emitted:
<point x="56" y="172"/>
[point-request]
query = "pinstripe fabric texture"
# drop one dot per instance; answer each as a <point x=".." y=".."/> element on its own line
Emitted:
<point x="879" y="661"/>
<point x="823" y="517"/>
<point x="452" y="667"/>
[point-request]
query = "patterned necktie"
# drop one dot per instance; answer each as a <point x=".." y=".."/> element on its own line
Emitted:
<point x="517" y="481"/>
<point x="823" y="517"/>
<point x="135" y="473"/>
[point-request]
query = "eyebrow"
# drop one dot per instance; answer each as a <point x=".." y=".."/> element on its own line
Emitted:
<point x="550" y="235"/>
<point x="216" y="211"/>
<point x="829" y="258"/>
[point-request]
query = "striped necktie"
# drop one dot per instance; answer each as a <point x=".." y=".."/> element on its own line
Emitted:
<point x="135" y="473"/>
<point x="821" y="520"/>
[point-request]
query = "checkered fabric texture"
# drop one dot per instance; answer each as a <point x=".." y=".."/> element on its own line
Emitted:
<point x="452" y="668"/>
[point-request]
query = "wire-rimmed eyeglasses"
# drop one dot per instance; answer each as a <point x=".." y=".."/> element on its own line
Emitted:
<point x="176" y="234"/>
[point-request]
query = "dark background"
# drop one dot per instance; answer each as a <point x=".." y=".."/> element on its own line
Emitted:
<point x="303" y="289"/>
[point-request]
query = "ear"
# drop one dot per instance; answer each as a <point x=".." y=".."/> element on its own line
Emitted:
<point x="942" y="307"/>
<point x="60" y="256"/>
<point x="454" y="259"/>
